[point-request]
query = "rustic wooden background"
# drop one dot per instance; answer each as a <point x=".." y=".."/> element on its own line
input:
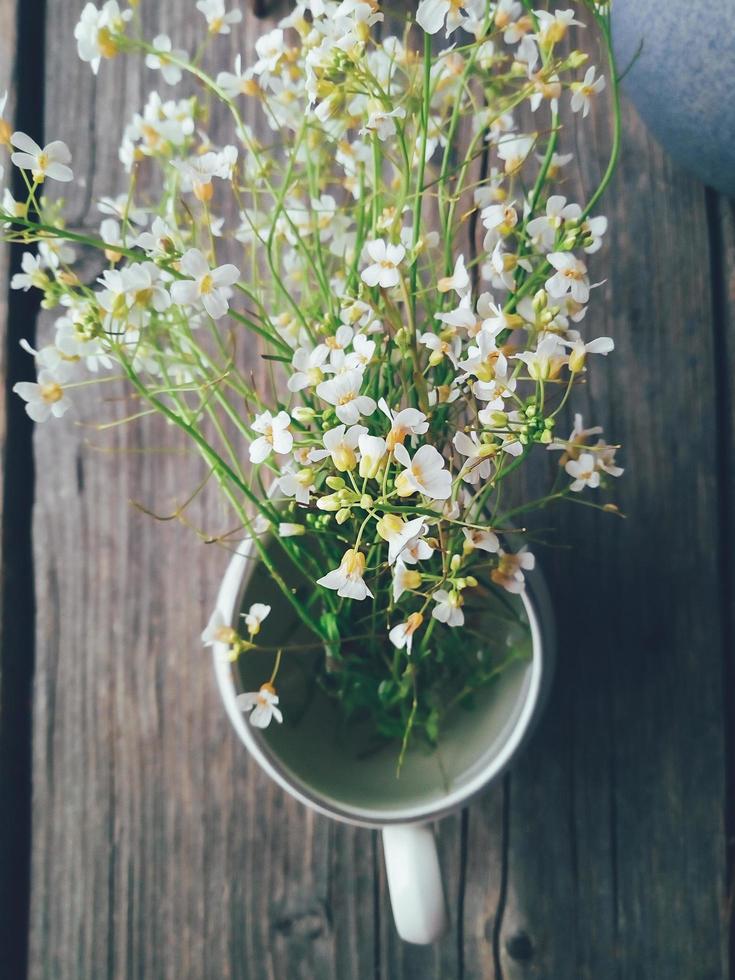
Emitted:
<point x="137" y="840"/>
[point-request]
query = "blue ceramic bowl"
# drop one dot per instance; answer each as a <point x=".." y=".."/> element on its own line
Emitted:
<point x="683" y="82"/>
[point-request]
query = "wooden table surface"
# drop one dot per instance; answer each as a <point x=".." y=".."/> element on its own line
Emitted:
<point x="138" y="840"/>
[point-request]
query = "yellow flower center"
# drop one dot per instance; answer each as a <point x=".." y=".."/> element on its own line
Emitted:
<point x="52" y="392"/>
<point x="404" y="487"/>
<point x="344" y="458"/>
<point x="216" y="26"/>
<point x="354" y="562"/>
<point x="106" y="43"/>
<point x="225" y="634"/>
<point x="396" y="436"/>
<point x="414" y="620"/>
<point x="203" y="192"/>
<point x="206" y="285"/>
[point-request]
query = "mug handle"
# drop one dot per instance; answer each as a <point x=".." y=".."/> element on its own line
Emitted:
<point x="414" y="882"/>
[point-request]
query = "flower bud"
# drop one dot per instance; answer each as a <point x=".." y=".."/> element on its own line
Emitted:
<point x="455" y="563"/>
<point x="471" y="581"/>
<point x="335" y="483"/>
<point x="389" y="525"/>
<point x="366" y="501"/>
<point x="343" y="515"/>
<point x="540" y="301"/>
<point x="577" y="58"/>
<point x="303" y="414"/>
<point x="290" y="530"/>
<point x="329" y="502"/>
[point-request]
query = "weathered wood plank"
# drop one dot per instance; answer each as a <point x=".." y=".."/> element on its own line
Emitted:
<point x="160" y="850"/>
<point x="616" y="836"/>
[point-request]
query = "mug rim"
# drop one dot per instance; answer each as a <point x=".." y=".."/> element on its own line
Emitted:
<point x="229" y="601"/>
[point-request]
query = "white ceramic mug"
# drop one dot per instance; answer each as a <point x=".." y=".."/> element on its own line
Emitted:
<point x="318" y="764"/>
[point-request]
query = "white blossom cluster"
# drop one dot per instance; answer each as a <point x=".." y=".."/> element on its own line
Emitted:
<point x="422" y="296"/>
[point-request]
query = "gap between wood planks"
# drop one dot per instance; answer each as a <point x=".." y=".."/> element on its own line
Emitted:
<point x="725" y="462"/>
<point x="17" y="649"/>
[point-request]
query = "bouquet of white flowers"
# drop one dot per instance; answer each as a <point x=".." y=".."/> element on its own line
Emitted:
<point x="416" y="286"/>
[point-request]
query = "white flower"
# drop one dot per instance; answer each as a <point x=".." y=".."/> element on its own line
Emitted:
<point x="553" y="27"/>
<point x="441" y="348"/>
<point x="170" y="72"/>
<point x="416" y="550"/>
<point x="459" y="281"/>
<point x="448" y="608"/>
<point x="261" y="704"/>
<point x="406" y="422"/>
<point x="238" y="83"/>
<point x="210" y="287"/>
<point x="218" y="630"/>
<point x="160" y="241"/>
<point x="478" y="465"/>
<point x="514" y="150"/>
<point x="584" y="472"/>
<point x="275" y="438"/>
<point x="308" y="364"/>
<point x="404" y="579"/>
<point x="33" y="274"/>
<point x="217" y="20"/>
<point x="398" y="533"/>
<point x="570" y="277"/>
<point x="582" y="92"/>
<point x="402" y="635"/>
<point x="483" y="540"/>
<point x="382" y="123"/>
<point x="255" y="616"/>
<point x="347" y="580"/>
<point x="45" y="397"/>
<point x="298" y="485"/>
<point x="580" y="350"/>
<point x="340" y="443"/>
<point x="425" y="473"/>
<point x="343" y="391"/>
<point x="361" y="354"/>
<point x="431" y="15"/>
<point x="51" y="161"/>
<point x="372" y="452"/>
<point x="509" y="573"/>
<point x="543" y="230"/>
<point x="386" y="259"/>
<point x="95" y="29"/>
<point x="270" y="48"/>
<point x="197" y="172"/>
<point x="542" y="362"/>
<point x="122" y="208"/>
<point x="593" y="230"/>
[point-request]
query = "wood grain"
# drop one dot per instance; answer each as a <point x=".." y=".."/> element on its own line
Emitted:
<point x="161" y="851"/>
